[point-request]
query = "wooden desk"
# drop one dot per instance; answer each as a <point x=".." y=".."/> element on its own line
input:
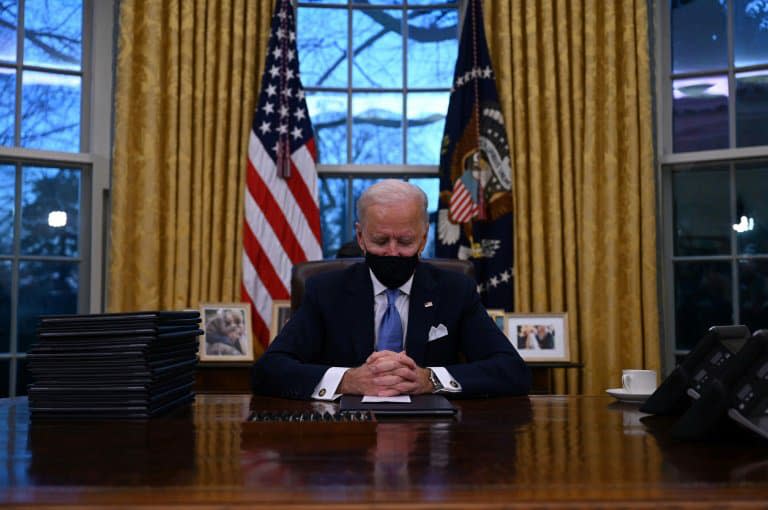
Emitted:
<point x="546" y="451"/>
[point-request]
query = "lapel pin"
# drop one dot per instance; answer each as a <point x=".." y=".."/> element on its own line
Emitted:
<point x="428" y="304"/>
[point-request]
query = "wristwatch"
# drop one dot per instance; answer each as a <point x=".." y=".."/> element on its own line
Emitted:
<point x="436" y="384"/>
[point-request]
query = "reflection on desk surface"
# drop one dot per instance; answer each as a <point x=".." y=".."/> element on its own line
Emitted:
<point x="545" y="449"/>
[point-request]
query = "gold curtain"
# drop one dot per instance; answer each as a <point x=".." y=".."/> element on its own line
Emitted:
<point x="574" y="83"/>
<point x="187" y="78"/>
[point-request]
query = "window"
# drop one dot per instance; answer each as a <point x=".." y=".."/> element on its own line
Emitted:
<point x="712" y="84"/>
<point x="41" y="74"/>
<point x="377" y="76"/>
<point x="52" y="177"/>
<point x="40" y="257"/>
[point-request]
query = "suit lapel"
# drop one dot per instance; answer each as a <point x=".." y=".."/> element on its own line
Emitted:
<point x="359" y="310"/>
<point x="421" y="313"/>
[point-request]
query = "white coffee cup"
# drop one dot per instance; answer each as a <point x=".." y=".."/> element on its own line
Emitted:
<point x="639" y="382"/>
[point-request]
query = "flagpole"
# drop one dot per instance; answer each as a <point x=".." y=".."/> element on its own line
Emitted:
<point x="283" y="145"/>
<point x="476" y="86"/>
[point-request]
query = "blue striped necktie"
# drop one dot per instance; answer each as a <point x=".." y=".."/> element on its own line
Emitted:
<point x="391" y="327"/>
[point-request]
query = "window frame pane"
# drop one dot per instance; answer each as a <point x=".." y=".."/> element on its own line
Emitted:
<point x="83" y="73"/>
<point x="400" y="168"/>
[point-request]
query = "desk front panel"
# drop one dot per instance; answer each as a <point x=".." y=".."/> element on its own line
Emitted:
<point x="584" y="452"/>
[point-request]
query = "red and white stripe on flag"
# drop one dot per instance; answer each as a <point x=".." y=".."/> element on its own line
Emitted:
<point x="461" y="206"/>
<point x="282" y="220"/>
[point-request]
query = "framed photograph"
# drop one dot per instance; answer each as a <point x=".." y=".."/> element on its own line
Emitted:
<point x="281" y="312"/>
<point x="539" y="337"/>
<point x="227" y="332"/>
<point x="499" y="317"/>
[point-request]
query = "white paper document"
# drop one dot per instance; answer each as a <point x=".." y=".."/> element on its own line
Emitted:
<point x="400" y="399"/>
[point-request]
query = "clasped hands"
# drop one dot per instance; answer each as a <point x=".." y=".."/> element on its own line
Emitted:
<point x="385" y="374"/>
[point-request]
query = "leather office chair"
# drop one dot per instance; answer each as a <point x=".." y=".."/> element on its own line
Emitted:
<point x="303" y="270"/>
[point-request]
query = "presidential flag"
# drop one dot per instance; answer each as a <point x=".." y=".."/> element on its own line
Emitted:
<point x="282" y="220"/>
<point x="475" y="212"/>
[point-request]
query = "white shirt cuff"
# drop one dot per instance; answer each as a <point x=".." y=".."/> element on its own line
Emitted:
<point x="450" y="384"/>
<point x="326" y="388"/>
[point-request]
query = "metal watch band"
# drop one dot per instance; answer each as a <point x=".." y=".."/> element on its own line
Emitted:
<point x="436" y="384"/>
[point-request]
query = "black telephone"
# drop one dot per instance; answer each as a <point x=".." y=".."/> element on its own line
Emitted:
<point x="749" y="398"/>
<point x="710" y="403"/>
<point x="703" y="365"/>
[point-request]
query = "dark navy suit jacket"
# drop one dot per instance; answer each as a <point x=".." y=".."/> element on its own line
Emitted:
<point x="334" y="327"/>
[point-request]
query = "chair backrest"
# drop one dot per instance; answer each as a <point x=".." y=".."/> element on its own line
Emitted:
<point x="304" y="270"/>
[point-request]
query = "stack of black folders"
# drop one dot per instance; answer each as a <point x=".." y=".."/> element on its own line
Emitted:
<point x="113" y="366"/>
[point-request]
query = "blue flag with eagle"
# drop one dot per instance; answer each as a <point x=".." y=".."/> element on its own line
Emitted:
<point x="475" y="212"/>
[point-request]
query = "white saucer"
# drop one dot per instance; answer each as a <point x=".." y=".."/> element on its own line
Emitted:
<point x="623" y="395"/>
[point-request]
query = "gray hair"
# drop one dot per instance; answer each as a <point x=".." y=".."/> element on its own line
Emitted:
<point x="391" y="192"/>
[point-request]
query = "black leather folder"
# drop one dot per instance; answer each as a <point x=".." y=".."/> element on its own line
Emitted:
<point x="105" y="318"/>
<point x="420" y="405"/>
<point x="114" y="412"/>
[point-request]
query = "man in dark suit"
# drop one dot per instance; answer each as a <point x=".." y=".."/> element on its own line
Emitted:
<point x="545" y="337"/>
<point x="392" y="325"/>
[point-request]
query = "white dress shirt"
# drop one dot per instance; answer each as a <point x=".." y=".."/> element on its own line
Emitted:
<point x="326" y="388"/>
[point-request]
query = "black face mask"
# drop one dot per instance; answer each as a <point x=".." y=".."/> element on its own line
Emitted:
<point x="392" y="271"/>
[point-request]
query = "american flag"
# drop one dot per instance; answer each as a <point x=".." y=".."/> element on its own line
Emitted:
<point x="282" y="220"/>
<point x="463" y="204"/>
